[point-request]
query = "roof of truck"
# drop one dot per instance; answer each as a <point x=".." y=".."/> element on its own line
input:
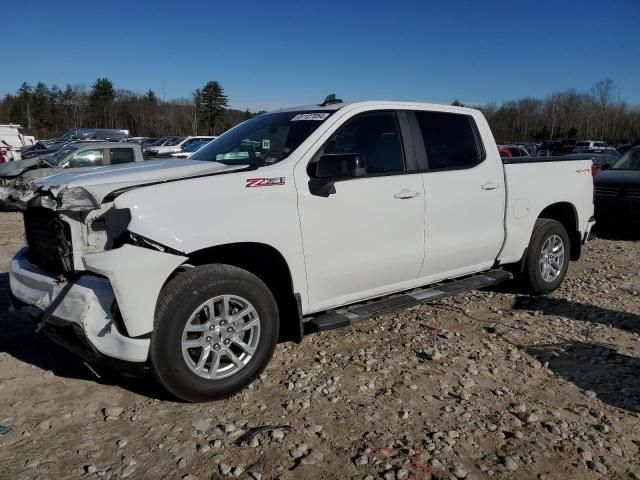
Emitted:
<point x="332" y="107"/>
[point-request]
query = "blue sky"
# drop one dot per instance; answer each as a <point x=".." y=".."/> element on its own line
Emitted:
<point x="271" y="54"/>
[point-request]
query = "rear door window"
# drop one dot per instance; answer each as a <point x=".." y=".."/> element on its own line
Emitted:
<point x="121" y="155"/>
<point x="451" y="140"/>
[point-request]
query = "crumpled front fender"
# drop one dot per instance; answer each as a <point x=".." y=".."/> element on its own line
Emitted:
<point x="137" y="275"/>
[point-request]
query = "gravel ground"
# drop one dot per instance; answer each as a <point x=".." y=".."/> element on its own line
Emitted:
<point x="487" y="384"/>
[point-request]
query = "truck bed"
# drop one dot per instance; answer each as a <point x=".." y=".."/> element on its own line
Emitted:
<point x="532" y="184"/>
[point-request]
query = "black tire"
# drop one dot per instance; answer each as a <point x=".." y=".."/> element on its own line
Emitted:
<point x="178" y="300"/>
<point x="532" y="278"/>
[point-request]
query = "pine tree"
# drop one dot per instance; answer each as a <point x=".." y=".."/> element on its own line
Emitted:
<point x="101" y="100"/>
<point x="21" y="112"/>
<point x="150" y="97"/>
<point x="213" y="105"/>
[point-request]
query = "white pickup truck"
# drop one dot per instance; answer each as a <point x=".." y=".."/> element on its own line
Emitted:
<point x="295" y="221"/>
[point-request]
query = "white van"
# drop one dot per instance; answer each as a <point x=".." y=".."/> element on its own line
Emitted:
<point x="12" y="135"/>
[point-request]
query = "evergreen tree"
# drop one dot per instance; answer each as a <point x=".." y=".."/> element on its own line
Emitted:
<point x="101" y="100"/>
<point x="150" y="97"/>
<point x="21" y="112"/>
<point x="41" y="108"/>
<point x="213" y="105"/>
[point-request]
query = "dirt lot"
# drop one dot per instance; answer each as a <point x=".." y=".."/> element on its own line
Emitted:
<point x="489" y="384"/>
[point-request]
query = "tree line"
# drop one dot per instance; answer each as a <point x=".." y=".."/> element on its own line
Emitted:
<point x="598" y="114"/>
<point x="47" y="112"/>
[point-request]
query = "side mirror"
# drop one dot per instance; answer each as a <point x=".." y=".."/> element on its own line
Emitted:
<point x="340" y="166"/>
<point x="332" y="168"/>
<point x="605" y="166"/>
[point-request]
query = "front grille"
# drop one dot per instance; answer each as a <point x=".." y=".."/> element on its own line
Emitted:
<point x="49" y="240"/>
<point x="633" y="194"/>
<point x="607" y="191"/>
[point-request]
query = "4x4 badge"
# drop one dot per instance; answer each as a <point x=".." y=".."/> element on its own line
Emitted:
<point x="265" y="182"/>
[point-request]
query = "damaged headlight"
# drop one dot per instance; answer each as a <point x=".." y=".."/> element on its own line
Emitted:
<point x="77" y="199"/>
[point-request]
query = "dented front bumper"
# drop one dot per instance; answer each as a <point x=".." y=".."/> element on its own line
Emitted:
<point x="130" y="277"/>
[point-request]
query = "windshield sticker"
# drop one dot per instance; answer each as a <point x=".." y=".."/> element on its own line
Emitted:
<point x="265" y="182"/>
<point x="232" y="156"/>
<point x="266" y="144"/>
<point x="310" y="116"/>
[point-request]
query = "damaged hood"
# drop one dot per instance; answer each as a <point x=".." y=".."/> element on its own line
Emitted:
<point x="102" y="181"/>
<point x="17" y="167"/>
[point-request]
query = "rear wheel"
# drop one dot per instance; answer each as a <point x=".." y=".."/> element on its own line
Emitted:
<point x="547" y="257"/>
<point x="216" y="327"/>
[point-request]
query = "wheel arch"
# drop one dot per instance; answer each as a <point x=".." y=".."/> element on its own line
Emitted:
<point x="268" y="264"/>
<point x="567" y="215"/>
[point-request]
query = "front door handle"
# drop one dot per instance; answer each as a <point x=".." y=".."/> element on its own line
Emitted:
<point x="406" y="193"/>
<point x="489" y="185"/>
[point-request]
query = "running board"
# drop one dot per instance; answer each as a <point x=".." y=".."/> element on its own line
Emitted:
<point x="343" y="317"/>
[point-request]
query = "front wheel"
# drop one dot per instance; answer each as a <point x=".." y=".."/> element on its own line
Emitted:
<point x="547" y="257"/>
<point x="216" y="327"/>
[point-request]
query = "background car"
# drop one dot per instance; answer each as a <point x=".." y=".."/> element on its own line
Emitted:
<point x="44" y="147"/>
<point x="592" y="144"/>
<point x="600" y="161"/>
<point x="176" y="145"/>
<point x="190" y="149"/>
<point x="153" y="149"/>
<point x="516" y="150"/>
<point x="111" y="134"/>
<point x="617" y="191"/>
<point x="75" y="155"/>
<point x="504" y="152"/>
<point x="561" y="146"/>
<point x="140" y="140"/>
<point x="609" y="151"/>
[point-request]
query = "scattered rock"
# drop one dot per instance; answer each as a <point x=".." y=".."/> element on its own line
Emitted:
<point x="113" y="411"/>
<point x="510" y="464"/>
<point x="224" y="469"/>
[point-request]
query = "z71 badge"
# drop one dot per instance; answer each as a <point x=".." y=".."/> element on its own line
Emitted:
<point x="265" y="182"/>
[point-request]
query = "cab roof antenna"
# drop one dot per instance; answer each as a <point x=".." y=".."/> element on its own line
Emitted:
<point x="331" y="99"/>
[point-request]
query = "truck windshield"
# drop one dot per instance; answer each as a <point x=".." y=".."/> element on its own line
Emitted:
<point x="629" y="161"/>
<point x="262" y="140"/>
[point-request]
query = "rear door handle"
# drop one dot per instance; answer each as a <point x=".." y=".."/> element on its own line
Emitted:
<point x="489" y="186"/>
<point x="406" y="193"/>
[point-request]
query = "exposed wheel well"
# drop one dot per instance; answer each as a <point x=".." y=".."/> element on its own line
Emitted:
<point x="269" y="265"/>
<point x="565" y="213"/>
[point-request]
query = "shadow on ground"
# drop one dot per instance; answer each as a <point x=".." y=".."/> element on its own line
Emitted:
<point x="616" y="232"/>
<point x="615" y="378"/>
<point x="18" y="339"/>
<point x="580" y="311"/>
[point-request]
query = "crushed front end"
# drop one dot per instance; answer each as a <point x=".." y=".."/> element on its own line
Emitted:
<point x="90" y="284"/>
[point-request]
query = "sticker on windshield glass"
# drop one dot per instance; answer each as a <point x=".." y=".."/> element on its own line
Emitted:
<point x="232" y="156"/>
<point x="310" y="116"/>
<point x="265" y="182"/>
<point x="266" y="144"/>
